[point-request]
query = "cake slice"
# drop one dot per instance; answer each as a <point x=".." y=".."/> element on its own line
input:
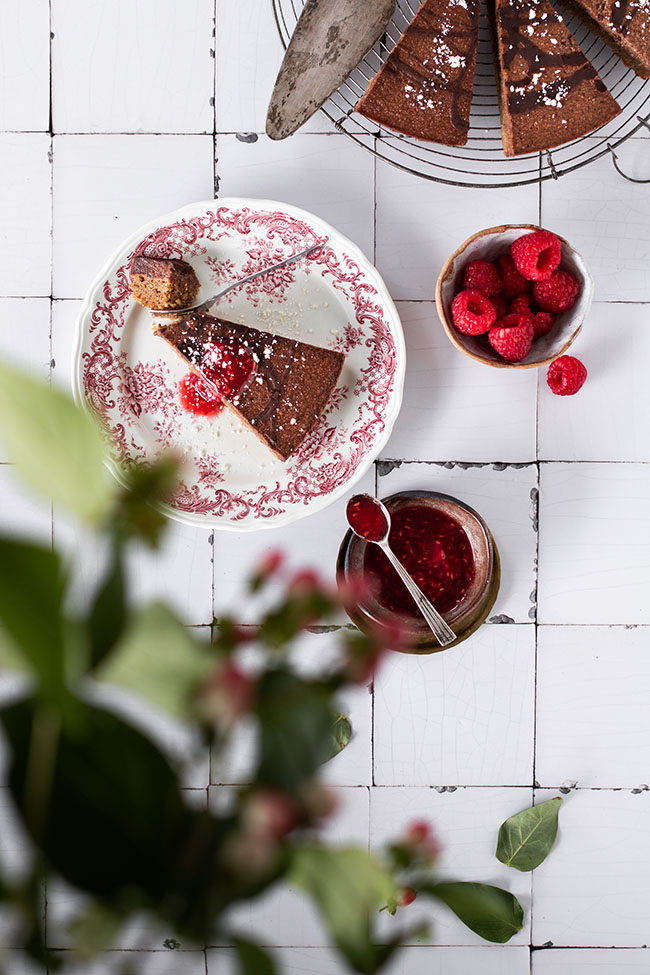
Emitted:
<point x="284" y="392"/>
<point x="623" y="24"/>
<point x="163" y="283"/>
<point x="549" y="92"/>
<point x="425" y="87"/>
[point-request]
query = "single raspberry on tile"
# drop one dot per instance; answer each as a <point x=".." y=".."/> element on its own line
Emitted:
<point x="543" y="322"/>
<point x="514" y="283"/>
<point x="512" y="337"/>
<point x="566" y="375"/>
<point x="501" y="306"/>
<point x="558" y="293"/>
<point x="537" y="255"/>
<point x="521" y="305"/>
<point x="472" y="313"/>
<point x="484" y="277"/>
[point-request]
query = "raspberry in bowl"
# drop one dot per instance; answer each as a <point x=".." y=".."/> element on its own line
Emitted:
<point x="514" y="296"/>
<point x="448" y="550"/>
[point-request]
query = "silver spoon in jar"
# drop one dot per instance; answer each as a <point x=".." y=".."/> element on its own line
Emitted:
<point x="370" y="520"/>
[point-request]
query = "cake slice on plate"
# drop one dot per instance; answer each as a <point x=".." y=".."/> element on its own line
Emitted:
<point x="425" y="87"/>
<point x="286" y="383"/>
<point x="623" y="24"/>
<point x="549" y="92"/>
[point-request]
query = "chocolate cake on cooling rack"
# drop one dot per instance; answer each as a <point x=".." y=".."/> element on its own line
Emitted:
<point x="163" y="283"/>
<point x="623" y="24"/>
<point x="425" y="87"/>
<point x="549" y="91"/>
<point x="288" y="387"/>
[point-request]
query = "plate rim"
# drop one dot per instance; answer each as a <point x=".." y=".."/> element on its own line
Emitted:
<point x="210" y="521"/>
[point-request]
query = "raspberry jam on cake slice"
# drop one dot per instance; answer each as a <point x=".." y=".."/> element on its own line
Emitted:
<point x="163" y="283"/>
<point x="425" y="87"/>
<point x="549" y="92"/>
<point x="623" y="24"/>
<point x="278" y="386"/>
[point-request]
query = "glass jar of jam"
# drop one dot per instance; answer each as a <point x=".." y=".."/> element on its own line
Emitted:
<point x="448" y="550"/>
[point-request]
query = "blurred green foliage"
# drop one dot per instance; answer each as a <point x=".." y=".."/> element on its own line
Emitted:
<point x="102" y="804"/>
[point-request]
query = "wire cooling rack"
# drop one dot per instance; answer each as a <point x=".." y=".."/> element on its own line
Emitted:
<point x="481" y="163"/>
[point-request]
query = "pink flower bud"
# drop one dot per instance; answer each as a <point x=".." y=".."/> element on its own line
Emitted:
<point x="270" y="564"/>
<point x="406" y="897"/>
<point x="320" y="801"/>
<point x="420" y="839"/>
<point x="304" y="582"/>
<point x="354" y="591"/>
<point x="226" y="695"/>
<point x="269" y="813"/>
<point x="249" y="855"/>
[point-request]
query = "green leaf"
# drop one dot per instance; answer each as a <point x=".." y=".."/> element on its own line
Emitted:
<point x="31" y="597"/>
<point x="526" y="839"/>
<point x="93" y="930"/>
<point x="348" y="886"/>
<point x="252" y="959"/>
<point x="11" y="659"/>
<point x="100" y="800"/>
<point x="159" y="660"/>
<point x="340" y="735"/>
<point x="492" y="913"/>
<point x="108" y="614"/>
<point x="56" y="446"/>
<point x="296" y="726"/>
<point x="148" y="486"/>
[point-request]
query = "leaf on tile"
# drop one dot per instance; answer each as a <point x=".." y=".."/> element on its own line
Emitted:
<point x="341" y="735"/>
<point x="526" y="839"/>
<point x="492" y="913"/>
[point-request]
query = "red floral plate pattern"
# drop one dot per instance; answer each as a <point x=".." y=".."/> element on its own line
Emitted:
<point x="333" y="298"/>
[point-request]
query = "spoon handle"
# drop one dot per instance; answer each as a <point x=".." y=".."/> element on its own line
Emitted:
<point x="206" y="305"/>
<point x="443" y="633"/>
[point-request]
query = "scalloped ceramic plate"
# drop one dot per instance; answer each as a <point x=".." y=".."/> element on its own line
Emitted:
<point x="334" y="298"/>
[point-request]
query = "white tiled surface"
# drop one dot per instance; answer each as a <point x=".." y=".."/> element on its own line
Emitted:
<point x="592" y="891"/>
<point x="412" y="961"/>
<point x="557" y="700"/>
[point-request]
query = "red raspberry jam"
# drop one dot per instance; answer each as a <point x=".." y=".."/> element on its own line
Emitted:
<point x="227" y="367"/>
<point x="436" y="552"/>
<point x="196" y="396"/>
<point x="366" y="517"/>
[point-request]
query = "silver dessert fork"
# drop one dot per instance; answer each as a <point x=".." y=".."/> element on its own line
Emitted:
<point x="205" y="305"/>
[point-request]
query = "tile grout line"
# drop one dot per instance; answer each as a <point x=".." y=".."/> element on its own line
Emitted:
<point x="376" y="487"/>
<point x="215" y="191"/>
<point x="51" y="303"/>
<point x="215" y="178"/>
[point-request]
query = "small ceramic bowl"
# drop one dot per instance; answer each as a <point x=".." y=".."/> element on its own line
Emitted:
<point x="488" y="245"/>
<point x="477" y="602"/>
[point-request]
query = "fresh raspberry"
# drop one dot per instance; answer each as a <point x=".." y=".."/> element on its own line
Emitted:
<point x="512" y="337"/>
<point x="520" y="305"/>
<point x="500" y="306"/>
<point x="558" y="293"/>
<point x="543" y="322"/>
<point x="472" y="313"/>
<point x="514" y="283"/>
<point x="536" y="255"/>
<point x="566" y="375"/>
<point x="484" y="277"/>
